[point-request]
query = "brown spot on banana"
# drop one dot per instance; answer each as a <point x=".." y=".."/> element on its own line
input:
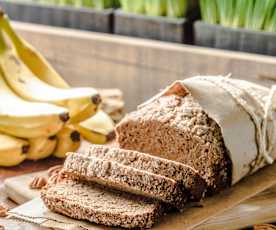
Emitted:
<point x="2" y="13"/>
<point x="25" y="149"/>
<point x="64" y="117"/>
<point x="21" y="80"/>
<point x="75" y="136"/>
<point x="51" y="138"/>
<point x="15" y="60"/>
<point x="96" y="99"/>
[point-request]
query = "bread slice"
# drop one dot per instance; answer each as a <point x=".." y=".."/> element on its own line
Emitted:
<point x="96" y="204"/>
<point x="194" y="184"/>
<point x="177" y="128"/>
<point x="125" y="178"/>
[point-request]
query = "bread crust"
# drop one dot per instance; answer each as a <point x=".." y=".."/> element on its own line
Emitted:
<point x="125" y="178"/>
<point x="193" y="183"/>
<point x="84" y="201"/>
<point x="177" y="128"/>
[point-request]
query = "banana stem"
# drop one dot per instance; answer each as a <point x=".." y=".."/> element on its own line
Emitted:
<point x="6" y="27"/>
<point x="3" y="44"/>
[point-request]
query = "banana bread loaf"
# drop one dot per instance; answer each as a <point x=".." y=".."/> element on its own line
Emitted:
<point x="177" y="128"/>
<point x="194" y="184"/>
<point x="96" y="204"/>
<point x="125" y="178"/>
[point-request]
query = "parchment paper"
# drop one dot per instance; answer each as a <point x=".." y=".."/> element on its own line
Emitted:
<point x="243" y="110"/>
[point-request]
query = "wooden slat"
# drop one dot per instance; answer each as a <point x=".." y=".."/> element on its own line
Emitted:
<point x="137" y="66"/>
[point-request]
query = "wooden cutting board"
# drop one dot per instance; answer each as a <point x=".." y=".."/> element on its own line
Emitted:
<point x="18" y="190"/>
<point x="259" y="209"/>
<point x="25" y="167"/>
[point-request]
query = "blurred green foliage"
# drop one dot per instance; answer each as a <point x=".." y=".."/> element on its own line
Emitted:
<point x="169" y="8"/>
<point x="98" y="4"/>
<point x="250" y="14"/>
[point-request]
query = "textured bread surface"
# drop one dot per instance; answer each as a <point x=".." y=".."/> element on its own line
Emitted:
<point x="194" y="184"/>
<point x="178" y="129"/>
<point x="96" y="204"/>
<point x="125" y="178"/>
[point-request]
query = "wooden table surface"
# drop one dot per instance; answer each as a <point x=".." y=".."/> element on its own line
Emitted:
<point x="26" y="167"/>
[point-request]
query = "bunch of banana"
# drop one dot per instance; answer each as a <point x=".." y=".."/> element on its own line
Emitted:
<point x="40" y="115"/>
<point x="112" y="99"/>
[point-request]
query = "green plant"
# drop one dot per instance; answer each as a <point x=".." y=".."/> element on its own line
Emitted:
<point x="226" y="11"/>
<point x="170" y="8"/>
<point x="177" y="8"/>
<point x="156" y="7"/>
<point x="208" y="9"/>
<point x="251" y="14"/>
<point x="77" y="3"/>
<point x="133" y="6"/>
<point x="98" y="4"/>
<point x="270" y="22"/>
<point x="102" y="4"/>
<point x="261" y="9"/>
<point x="242" y="12"/>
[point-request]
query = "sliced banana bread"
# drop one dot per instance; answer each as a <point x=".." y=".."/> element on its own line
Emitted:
<point x="177" y="128"/>
<point x="96" y="204"/>
<point x="194" y="184"/>
<point x="125" y="178"/>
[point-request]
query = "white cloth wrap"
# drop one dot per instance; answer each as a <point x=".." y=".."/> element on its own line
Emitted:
<point x="243" y="110"/>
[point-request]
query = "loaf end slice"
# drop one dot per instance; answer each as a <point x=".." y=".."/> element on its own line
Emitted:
<point x="194" y="184"/>
<point x="96" y="204"/>
<point x="125" y="178"/>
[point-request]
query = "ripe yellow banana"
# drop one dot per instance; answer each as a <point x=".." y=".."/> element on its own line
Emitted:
<point x="68" y="140"/>
<point x="13" y="151"/>
<point x="28" y="119"/>
<point x="31" y="57"/>
<point x="80" y="108"/>
<point x="41" y="147"/>
<point x="98" y="129"/>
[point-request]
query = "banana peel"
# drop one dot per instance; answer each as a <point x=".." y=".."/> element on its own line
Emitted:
<point x="68" y="140"/>
<point x="28" y="119"/>
<point x="41" y="147"/>
<point x="98" y="129"/>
